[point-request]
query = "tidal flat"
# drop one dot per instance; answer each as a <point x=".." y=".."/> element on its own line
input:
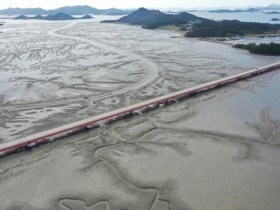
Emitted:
<point x="53" y="73"/>
<point x="217" y="150"/>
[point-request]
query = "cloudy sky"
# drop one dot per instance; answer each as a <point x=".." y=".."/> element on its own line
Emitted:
<point x="47" y="4"/>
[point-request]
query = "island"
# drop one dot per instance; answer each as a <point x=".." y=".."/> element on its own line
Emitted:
<point x="272" y="13"/>
<point x="235" y="11"/>
<point x="71" y="10"/>
<point x="58" y="16"/>
<point x="151" y="19"/>
<point x="193" y="26"/>
<point x="23" y="11"/>
<point x="275" y="19"/>
<point x="261" y="49"/>
<point x="84" y="9"/>
<point x="86" y="17"/>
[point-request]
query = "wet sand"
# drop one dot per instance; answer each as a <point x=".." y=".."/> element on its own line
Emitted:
<point x="218" y="150"/>
<point x="90" y="68"/>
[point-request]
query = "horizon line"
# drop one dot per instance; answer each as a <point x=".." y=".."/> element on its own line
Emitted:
<point x="133" y="8"/>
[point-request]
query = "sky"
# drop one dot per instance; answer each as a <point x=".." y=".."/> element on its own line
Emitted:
<point x="50" y="4"/>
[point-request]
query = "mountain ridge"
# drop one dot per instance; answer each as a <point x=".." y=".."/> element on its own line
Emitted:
<point x="23" y="11"/>
<point x="57" y="16"/>
<point x="71" y="10"/>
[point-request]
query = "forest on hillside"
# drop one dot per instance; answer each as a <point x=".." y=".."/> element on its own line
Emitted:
<point x="262" y="49"/>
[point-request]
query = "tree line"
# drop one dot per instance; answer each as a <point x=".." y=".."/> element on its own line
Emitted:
<point x="230" y="28"/>
<point x="263" y="49"/>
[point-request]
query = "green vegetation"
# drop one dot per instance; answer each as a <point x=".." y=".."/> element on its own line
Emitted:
<point x="230" y="28"/>
<point x="263" y="49"/>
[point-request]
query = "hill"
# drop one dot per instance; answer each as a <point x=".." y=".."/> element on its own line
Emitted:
<point x="272" y="7"/>
<point x="86" y="17"/>
<point x="230" y="28"/>
<point x="273" y="13"/>
<point x="114" y="11"/>
<point x="154" y="18"/>
<point x="71" y="10"/>
<point x="75" y="10"/>
<point x="196" y="26"/>
<point x="58" y="16"/>
<point x="82" y="10"/>
<point x="23" y="11"/>
<point x="235" y="11"/>
<point x="22" y="17"/>
<point x="39" y="17"/>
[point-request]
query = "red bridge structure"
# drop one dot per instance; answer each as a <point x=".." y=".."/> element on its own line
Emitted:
<point x="96" y="121"/>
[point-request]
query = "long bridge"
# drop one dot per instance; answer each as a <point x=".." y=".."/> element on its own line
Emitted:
<point x="96" y="121"/>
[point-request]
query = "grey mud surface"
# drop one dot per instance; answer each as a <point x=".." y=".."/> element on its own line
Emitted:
<point x="215" y="151"/>
<point x="90" y="68"/>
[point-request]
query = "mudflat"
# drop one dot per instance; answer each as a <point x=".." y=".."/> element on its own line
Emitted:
<point x="218" y="150"/>
<point x="53" y="73"/>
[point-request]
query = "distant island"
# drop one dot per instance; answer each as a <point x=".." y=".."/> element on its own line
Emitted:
<point x="71" y="10"/>
<point x="23" y="11"/>
<point x="151" y="19"/>
<point x="58" y="16"/>
<point x="86" y="17"/>
<point x="272" y="13"/>
<point x="83" y="10"/>
<point x="262" y="49"/>
<point x="272" y="7"/>
<point x="235" y="11"/>
<point x="275" y="19"/>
